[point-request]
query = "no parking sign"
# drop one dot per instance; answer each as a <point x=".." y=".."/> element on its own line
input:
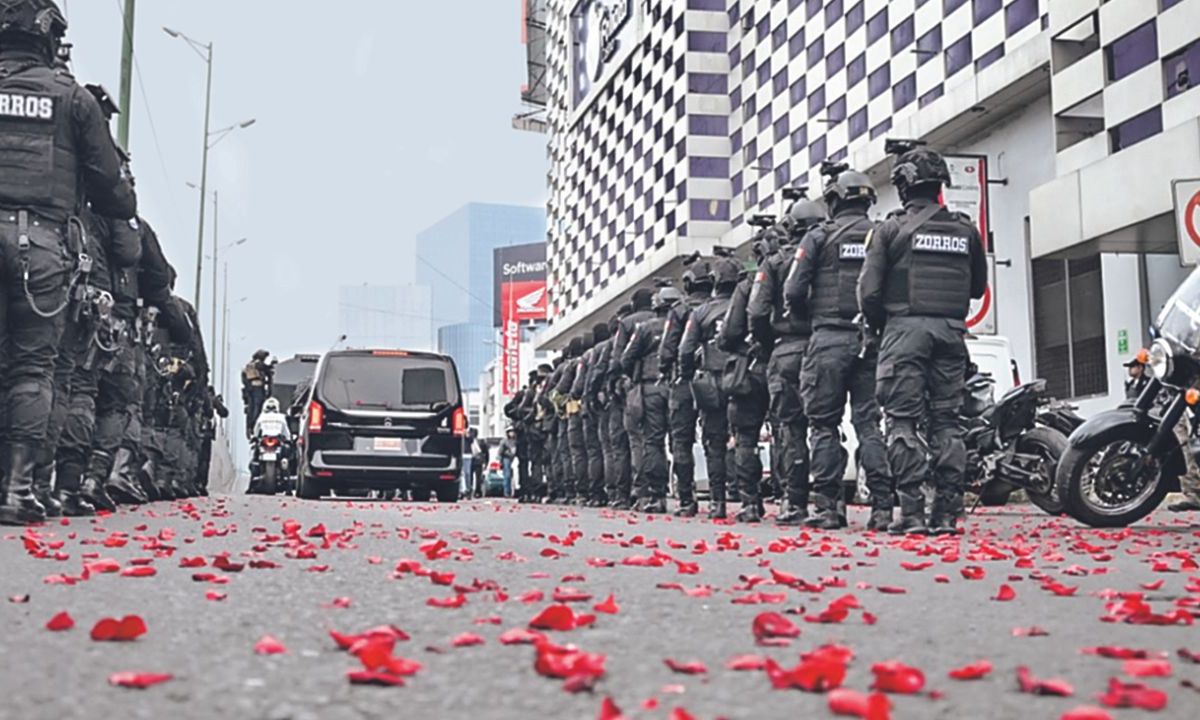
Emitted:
<point x="1187" y="219"/>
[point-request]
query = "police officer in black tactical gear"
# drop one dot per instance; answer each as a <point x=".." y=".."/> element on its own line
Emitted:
<point x="785" y="335"/>
<point x="924" y="264"/>
<point x="640" y="311"/>
<point x="745" y="381"/>
<point x="542" y="440"/>
<point x="564" y="489"/>
<point x="579" y="400"/>
<point x="595" y="414"/>
<point x="823" y="282"/>
<point x="681" y="405"/>
<point x="55" y="151"/>
<point x="614" y="442"/>
<point x="702" y="364"/>
<point x="576" y="433"/>
<point x="648" y="403"/>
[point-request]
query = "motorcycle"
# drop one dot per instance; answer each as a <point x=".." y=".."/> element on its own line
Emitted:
<point x="271" y="461"/>
<point x="1121" y="464"/>
<point x="1014" y="443"/>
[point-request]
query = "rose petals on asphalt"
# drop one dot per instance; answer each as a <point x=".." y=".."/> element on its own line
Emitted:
<point x="743" y="663"/>
<point x="520" y="636"/>
<point x="693" y="667"/>
<point x="1005" y="594"/>
<point x="1147" y="668"/>
<point x="1086" y="712"/>
<point x="138" y="681"/>
<point x="1029" y="684"/>
<point x="560" y="618"/>
<point x="60" y="622"/>
<point x="215" y="595"/>
<point x="1133" y="695"/>
<point x="466" y="640"/>
<point x="974" y="671"/>
<point x="896" y="677"/>
<point x="608" y="607"/>
<point x="819" y="671"/>
<point x="852" y="703"/>
<point x="580" y="670"/>
<point x="610" y="711"/>
<point x="127" y="629"/>
<point x="773" y="625"/>
<point x="453" y="602"/>
<point x="268" y="645"/>
<point x="368" y="677"/>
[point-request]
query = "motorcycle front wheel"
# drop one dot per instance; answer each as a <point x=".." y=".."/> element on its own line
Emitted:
<point x="1048" y="445"/>
<point x="1111" y="481"/>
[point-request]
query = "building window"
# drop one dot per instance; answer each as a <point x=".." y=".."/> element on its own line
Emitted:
<point x="958" y="55"/>
<point x="879" y="82"/>
<point x="856" y="70"/>
<point x="816" y="52"/>
<point x="881" y="129"/>
<point x="780" y="82"/>
<point x="708" y="83"/>
<point x="1019" y="15"/>
<point x="836" y="61"/>
<point x="950" y="6"/>
<point x="877" y="26"/>
<point x="709" y="210"/>
<point x="902" y="35"/>
<point x="712" y="125"/>
<point x="701" y="41"/>
<point x="814" y="7"/>
<point x="854" y="18"/>
<point x="1181" y="70"/>
<point x="779" y="36"/>
<point x="984" y="9"/>
<point x="797" y="92"/>
<point x="782" y="129"/>
<point x="929" y="46"/>
<point x="708" y="167"/>
<point x="833" y="11"/>
<point x="764" y="73"/>
<point x="816" y="101"/>
<point x="796" y="44"/>
<point x="799" y="139"/>
<point x="989" y="57"/>
<point x="1136" y="129"/>
<point x="837" y="111"/>
<point x="1132" y="52"/>
<point x="818" y="152"/>
<point x="932" y="95"/>
<point x="905" y="92"/>
<point x="1068" y="307"/>
<point x="858" y="124"/>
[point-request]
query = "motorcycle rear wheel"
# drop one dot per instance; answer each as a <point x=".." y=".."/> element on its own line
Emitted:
<point x="269" y="479"/>
<point x="1096" y="487"/>
<point x="1050" y="445"/>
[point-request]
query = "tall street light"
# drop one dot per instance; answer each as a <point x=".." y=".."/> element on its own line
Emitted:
<point x="205" y="52"/>
<point x="219" y="341"/>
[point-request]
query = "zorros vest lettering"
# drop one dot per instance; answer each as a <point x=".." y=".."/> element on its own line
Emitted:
<point x="923" y="242"/>
<point x="26" y="107"/>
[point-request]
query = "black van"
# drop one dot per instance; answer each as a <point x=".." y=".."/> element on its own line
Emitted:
<point x="383" y="420"/>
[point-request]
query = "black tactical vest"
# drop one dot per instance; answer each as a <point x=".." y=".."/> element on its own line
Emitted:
<point x="835" y="282"/>
<point x="38" y="158"/>
<point x="931" y="273"/>
<point x="786" y="326"/>
<point x="711" y="316"/>
<point x="647" y="367"/>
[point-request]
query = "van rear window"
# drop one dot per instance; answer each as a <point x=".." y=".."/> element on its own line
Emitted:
<point x="371" y="382"/>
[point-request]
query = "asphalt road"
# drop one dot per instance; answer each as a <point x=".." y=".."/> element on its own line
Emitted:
<point x="934" y="624"/>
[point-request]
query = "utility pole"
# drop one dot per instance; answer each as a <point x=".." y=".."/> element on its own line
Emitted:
<point x="203" y="180"/>
<point x="216" y="249"/>
<point x="126" y="75"/>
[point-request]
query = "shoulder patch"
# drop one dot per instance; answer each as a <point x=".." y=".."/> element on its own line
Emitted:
<point x="800" y="253"/>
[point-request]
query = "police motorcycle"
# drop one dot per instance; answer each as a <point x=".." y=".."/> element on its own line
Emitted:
<point x="271" y="456"/>
<point x="1121" y="464"/>
<point x="1014" y="443"/>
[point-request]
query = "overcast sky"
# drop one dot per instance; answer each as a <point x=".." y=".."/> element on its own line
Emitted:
<point x="375" y="119"/>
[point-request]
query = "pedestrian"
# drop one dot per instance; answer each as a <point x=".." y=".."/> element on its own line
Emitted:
<point x="823" y="281"/>
<point x="257" y="380"/>
<point x="648" y="403"/>
<point x="54" y="158"/>
<point x="784" y="333"/>
<point x="508" y="456"/>
<point x="480" y="465"/>
<point x="681" y="405"/>
<point x="702" y="364"/>
<point x="923" y="266"/>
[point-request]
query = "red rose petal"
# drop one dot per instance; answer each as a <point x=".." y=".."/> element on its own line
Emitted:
<point x="215" y="595"/>
<point x="610" y="711"/>
<point x="520" y="636"/>
<point x="694" y="667"/>
<point x="268" y="645"/>
<point x="855" y="704"/>
<point x="1005" y="594"/>
<point x="896" y="677"/>
<point x="1086" y="712"/>
<point x="454" y="602"/>
<point x="1029" y="684"/>
<point x="369" y="677"/>
<point x="974" y="671"/>
<point x="1147" y="668"/>
<point x="139" y="681"/>
<point x="1133" y="695"/>
<point x="466" y="640"/>
<point x="60" y="622"/>
<point x="773" y="625"/>
<point x="608" y="607"/>
<point x="747" y="662"/>
<point x="560" y="618"/>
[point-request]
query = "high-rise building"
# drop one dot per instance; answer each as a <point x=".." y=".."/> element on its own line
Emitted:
<point x="386" y="316"/>
<point x="454" y="258"/>
<point x="673" y="122"/>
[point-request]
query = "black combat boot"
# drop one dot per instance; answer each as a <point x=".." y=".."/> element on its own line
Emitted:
<point x="716" y="505"/>
<point x="18" y="504"/>
<point x="944" y="520"/>
<point x="687" y="508"/>
<point x="654" y="506"/>
<point x="826" y="515"/>
<point x="121" y="485"/>
<point x="793" y="513"/>
<point x="623" y="502"/>
<point x="43" y="482"/>
<point x="750" y="512"/>
<point x="73" y="503"/>
<point x="912" y="513"/>
<point x="881" y="519"/>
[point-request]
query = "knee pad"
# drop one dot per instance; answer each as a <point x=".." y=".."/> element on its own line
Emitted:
<point x="903" y="432"/>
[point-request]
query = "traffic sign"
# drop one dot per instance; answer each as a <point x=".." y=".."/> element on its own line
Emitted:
<point x="1187" y="219"/>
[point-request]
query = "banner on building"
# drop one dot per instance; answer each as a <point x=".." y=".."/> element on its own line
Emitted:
<point x="968" y="193"/>
<point x="601" y="33"/>
<point x="520" y="297"/>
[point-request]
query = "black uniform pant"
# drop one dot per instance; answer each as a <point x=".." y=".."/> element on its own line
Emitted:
<point x="76" y="339"/>
<point x="563" y="486"/>
<point x="714" y="436"/>
<point x="79" y="425"/>
<point x="790" y="424"/>
<point x="577" y="481"/>
<point x="747" y="412"/>
<point x="119" y="404"/>
<point x="592" y="418"/>
<point x="681" y="409"/>
<point x="922" y="362"/>
<point x="620" y="478"/>
<point x="29" y="341"/>
<point x="833" y="371"/>
<point x="651" y="478"/>
<point x="256" y="395"/>
<point x="633" y="429"/>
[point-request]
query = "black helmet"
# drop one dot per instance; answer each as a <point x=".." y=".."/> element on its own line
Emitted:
<point x="805" y="214"/>
<point x="40" y="19"/>
<point x="261" y="355"/>
<point x="725" y="271"/>
<point x="575" y="348"/>
<point x="666" y="298"/>
<point x="643" y="298"/>
<point x="587" y="342"/>
<point x="919" y="167"/>
<point x="849" y="185"/>
<point x="697" y="273"/>
<point x="601" y="332"/>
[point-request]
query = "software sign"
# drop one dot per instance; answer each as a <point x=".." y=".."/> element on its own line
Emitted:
<point x="520" y="297"/>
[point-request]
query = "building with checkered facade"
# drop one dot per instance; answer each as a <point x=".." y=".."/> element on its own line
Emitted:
<point x="670" y="129"/>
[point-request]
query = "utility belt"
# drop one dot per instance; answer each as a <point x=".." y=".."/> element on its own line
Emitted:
<point x="76" y="241"/>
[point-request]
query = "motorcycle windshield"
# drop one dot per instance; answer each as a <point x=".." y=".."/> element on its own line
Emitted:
<point x="1179" y="321"/>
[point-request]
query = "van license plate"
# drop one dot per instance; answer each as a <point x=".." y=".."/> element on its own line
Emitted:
<point x="395" y="445"/>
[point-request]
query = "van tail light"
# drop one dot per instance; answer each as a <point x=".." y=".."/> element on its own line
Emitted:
<point x="316" y="417"/>
<point x="459" y="422"/>
<point x="1016" y="370"/>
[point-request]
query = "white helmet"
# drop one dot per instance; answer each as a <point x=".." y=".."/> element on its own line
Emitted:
<point x="271" y="405"/>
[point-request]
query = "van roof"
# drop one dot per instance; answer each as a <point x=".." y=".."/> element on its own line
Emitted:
<point x="390" y="352"/>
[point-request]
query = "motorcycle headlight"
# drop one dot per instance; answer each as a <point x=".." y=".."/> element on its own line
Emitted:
<point x="1161" y="363"/>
